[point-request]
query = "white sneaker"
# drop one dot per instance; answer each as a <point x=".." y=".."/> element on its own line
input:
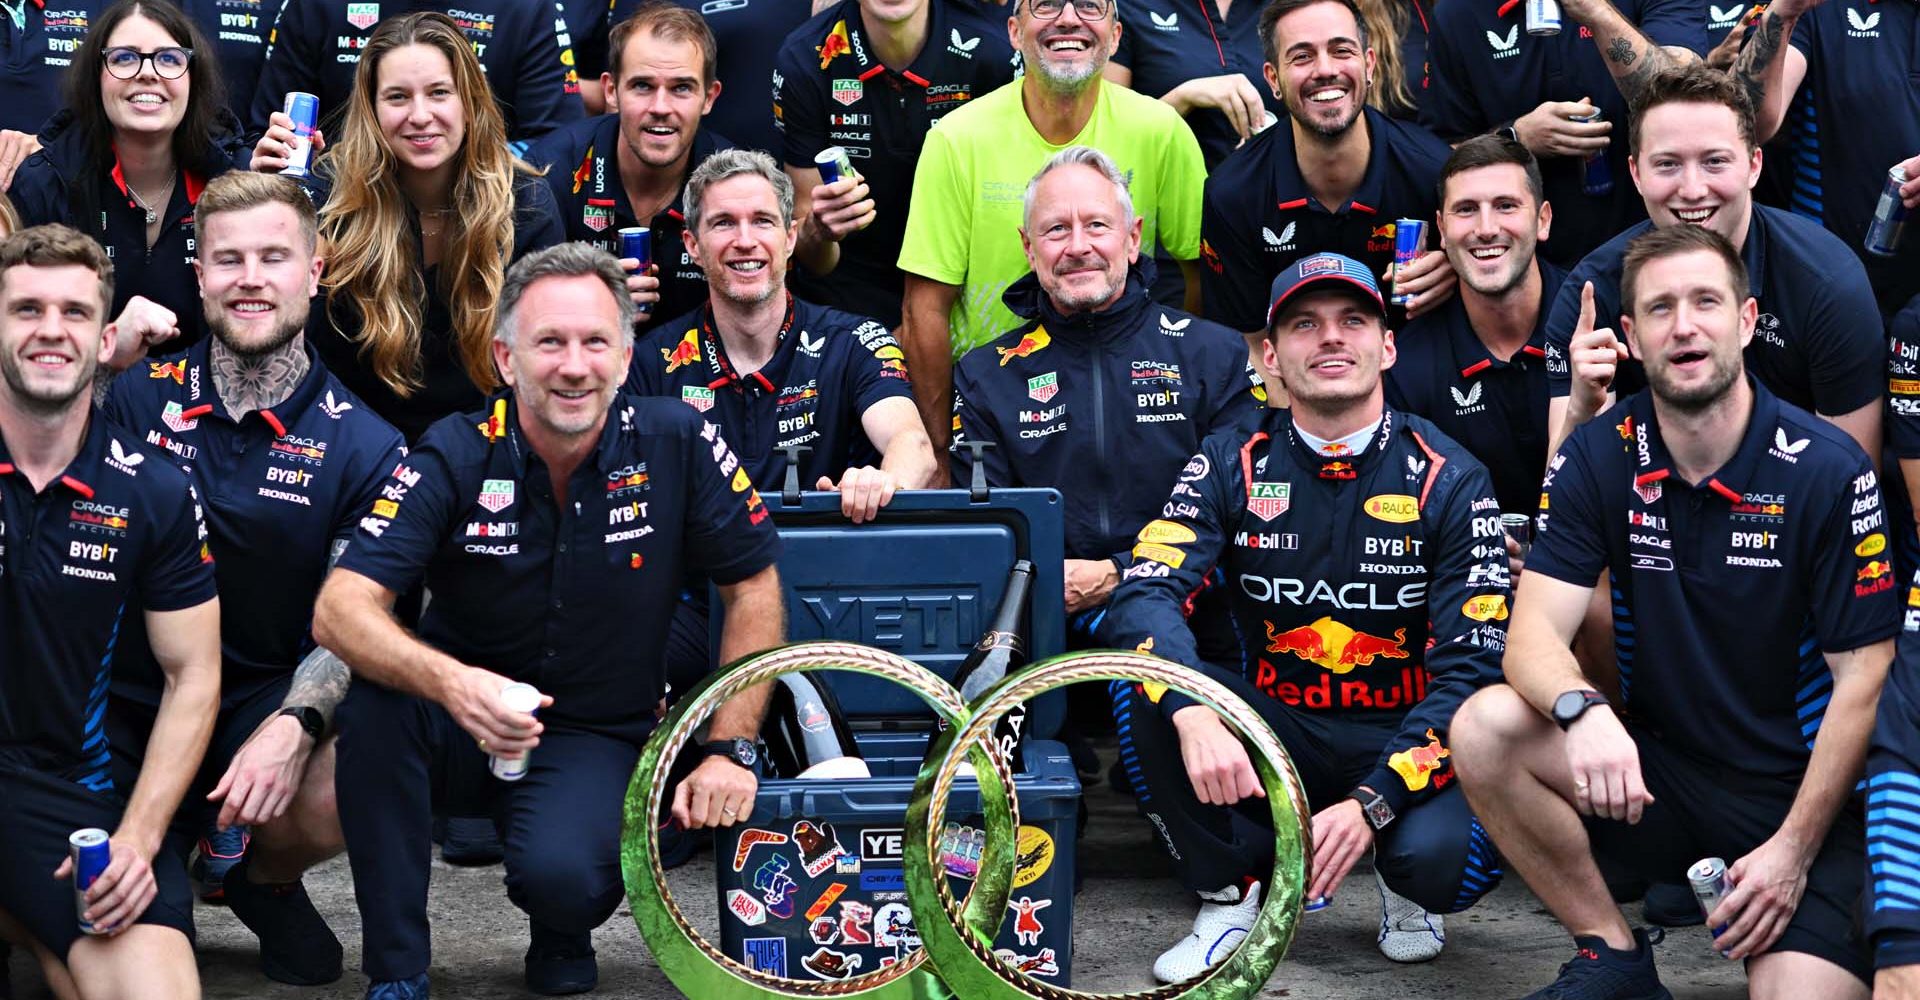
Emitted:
<point x="1407" y="932"/>
<point x="1225" y="917"/>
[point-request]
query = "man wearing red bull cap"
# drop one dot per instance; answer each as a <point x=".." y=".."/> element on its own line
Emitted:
<point x="1362" y="554"/>
<point x="1754" y="611"/>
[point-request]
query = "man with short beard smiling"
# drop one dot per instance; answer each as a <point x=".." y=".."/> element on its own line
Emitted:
<point x="286" y="461"/>
<point x="962" y="245"/>
<point x="1476" y="366"/>
<point x="1333" y="181"/>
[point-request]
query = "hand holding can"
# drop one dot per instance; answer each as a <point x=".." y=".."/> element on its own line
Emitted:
<point x="91" y="853"/>
<point x="1409" y="239"/>
<point x="523" y="698"/>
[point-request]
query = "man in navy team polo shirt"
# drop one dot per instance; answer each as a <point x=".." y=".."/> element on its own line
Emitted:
<point x="872" y="76"/>
<point x="552" y="530"/>
<point x="626" y="168"/>
<point x="749" y="33"/>
<point x="1476" y="366"/>
<point x="1333" y="178"/>
<point x="94" y="527"/>
<point x="1818" y="342"/>
<point x="1893" y="818"/>
<point x="1860" y="62"/>
<point x="1489" y="75"/>
<point x="523" y="45"/>
<point x="1755" y="604"/>
<point x="286" y="461"/>
<point x="777" y="371"/>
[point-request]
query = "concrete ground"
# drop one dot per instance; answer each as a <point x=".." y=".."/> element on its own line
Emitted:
<point x="1129" y="910"/>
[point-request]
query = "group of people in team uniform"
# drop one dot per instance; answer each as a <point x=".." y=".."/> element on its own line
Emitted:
<point x="1569" y="546"/>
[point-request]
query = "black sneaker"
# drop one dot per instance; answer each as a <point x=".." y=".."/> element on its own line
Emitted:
<point x="559" y="963"/>
<point x="296" y="945"/>
<point x="471" y="841"/>
<point x="1598" y="972"/>
<point x="1671" y="904"/>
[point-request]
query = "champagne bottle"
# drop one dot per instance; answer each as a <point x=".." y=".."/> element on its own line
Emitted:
<point x="806" y="733"/>
<point x="1000" y="652"/>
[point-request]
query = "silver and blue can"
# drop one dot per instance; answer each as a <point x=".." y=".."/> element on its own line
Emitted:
<point x="1597" y="174"/>
<point x="834" y="163"/>
<point x="1543" y="17"/>
<point x="91" y="854"/>
<point x="1409" y="238"/>
<point x="637" y="242"/>
<point x="1316" y="904"/>
<point x="1889" y="217"/>
<point x="304" y="109"/>
<point x="1711" y="884"/>
<point x="517" y="697"/>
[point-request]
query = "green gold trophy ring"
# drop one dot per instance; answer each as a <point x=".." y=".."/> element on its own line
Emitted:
<point x="693" y="964"/>
<point x="962" y="953"/>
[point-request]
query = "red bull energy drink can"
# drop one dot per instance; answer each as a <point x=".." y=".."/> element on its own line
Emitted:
<point x="91" y="854"/>
<point x="1519" y="527"/>
<point x="1711" y="884"/>
<point x="1889" y="217"/>
<point x="1543" y="17"/>
<point x="517" y="698"/>
<point x="1597" y="174"/>
<point x="834" y="163"/>
<point x="1409" y="238"/>
<point x="304" y="109"/>
<point x="637" y="242"/>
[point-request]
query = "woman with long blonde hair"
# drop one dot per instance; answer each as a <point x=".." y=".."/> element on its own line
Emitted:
<point x="423" y="208"/>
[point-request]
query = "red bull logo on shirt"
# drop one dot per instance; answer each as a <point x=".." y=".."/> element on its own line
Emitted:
<point x="686" y="352"/>
<point x="1416" y="765"/>
<point x="1029" y="345"/>
<point x="175" y="371"/>
<point x="836" y="45"/>
<point x="1335" y="646"/>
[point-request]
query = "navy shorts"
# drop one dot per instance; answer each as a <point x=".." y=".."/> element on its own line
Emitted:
<point x="42" y="812"/>
<point x="1703" y="810"/>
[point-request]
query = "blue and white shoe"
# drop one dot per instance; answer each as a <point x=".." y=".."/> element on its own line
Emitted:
<point x="1224" y="919"/>
<point x="215" y="855"/>
<point x="1408" y="933"/>
<point x="416" y="988"/>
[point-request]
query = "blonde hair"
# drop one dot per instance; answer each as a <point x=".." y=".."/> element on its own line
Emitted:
<point x="9" y="216"/>
<point x="1386" y="22"/>
<point x="364" y="222"/>
<point x="239" y="190"/>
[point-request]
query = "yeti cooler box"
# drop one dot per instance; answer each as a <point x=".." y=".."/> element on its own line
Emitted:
<point x="922" y="581"/>
<point x="811" y="886"/>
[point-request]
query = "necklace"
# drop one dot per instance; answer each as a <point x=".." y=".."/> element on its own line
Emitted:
<point x="166" y="193"/>
<point x="439" y="214"/>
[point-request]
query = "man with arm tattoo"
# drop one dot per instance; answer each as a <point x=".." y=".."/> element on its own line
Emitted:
<point x="286" y="462"/>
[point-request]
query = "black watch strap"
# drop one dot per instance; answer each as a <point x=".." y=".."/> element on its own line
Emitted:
<point x="1373" y="806"/>
<point x="309" y="718"/>
<point x="741" y="752"/>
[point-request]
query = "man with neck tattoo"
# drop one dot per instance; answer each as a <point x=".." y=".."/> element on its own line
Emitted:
<point x="286" y="461"/>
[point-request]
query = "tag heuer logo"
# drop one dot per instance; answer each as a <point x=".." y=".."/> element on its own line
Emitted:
<point x="1042" y="388"/>
<point x="172" y="417"/>
<point x="363" y="15"/>
<point x="847" y="91"/>
<point x="597" y="218"/>
<point x="496" y="494"/>
<point x="697" y="397"/>
<point x="1267" y="501"/>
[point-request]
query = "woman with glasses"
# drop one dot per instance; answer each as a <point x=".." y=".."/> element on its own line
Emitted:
<point x="144" y="129"/>
<point x="420" y="238"/>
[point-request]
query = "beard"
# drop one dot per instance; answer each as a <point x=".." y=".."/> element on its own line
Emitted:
<point x="46" y="400"/>
<point x="280" y="336"/>
<point x="1698" y="397"/>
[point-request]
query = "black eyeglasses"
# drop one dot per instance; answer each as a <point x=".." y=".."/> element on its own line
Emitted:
<point x="168" y="63"/>
<point x="1089" y="10"/>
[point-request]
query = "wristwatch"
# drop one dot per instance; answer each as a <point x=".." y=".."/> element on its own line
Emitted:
<point x="1573" y="704"/>
<point x="309" y="718"/>
<point x="1508" y="132"/>
<point x="741" y="752"/>
<point x="1373" y="806"/>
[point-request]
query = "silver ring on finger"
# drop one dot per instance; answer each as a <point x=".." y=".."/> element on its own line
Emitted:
<point x="728" y="813"/>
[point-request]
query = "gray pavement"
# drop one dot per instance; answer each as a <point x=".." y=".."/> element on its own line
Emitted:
<point x="1129" y="910"/>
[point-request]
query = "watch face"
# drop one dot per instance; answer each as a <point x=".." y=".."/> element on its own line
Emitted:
<point x="743" y="752"/>
<point x="1568" y="706"/>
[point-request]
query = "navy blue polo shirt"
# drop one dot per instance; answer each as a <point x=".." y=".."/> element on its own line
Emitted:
<point x="572" y="600"/>
<point x="1487" y="72"/>
<point x="1259" y="215"/>
<point x="278" y="487"/>
<point x="1722" y="17"/>
<point x="1817" y="344"/>
<point x="748" y="34"/>
<point x="1903" y="381"/>
<point x="829" y="368"/>
<point x="587" y="27"/>
<point x="32" y="87"/>
<point x="583" y="171"/>
<point x="239" y="30"/>
<point x="523" y="46"/>
<point x="1495" y="409"/>
<point x="1863" y="65"/>
<point x="116" y="535"/>
<point x="1792" y="524"/>
<point x="1165" y="43"/>
<point x="830" y="89"/>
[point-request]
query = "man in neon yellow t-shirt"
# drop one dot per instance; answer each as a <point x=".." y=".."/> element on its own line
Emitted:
<point x="962" y="245"/>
